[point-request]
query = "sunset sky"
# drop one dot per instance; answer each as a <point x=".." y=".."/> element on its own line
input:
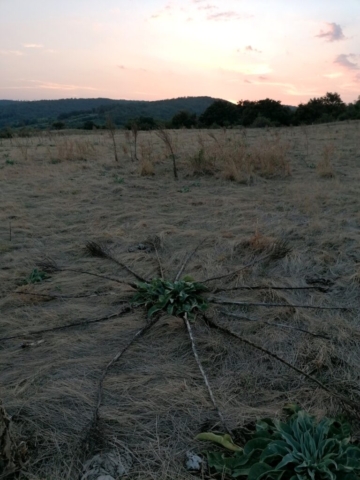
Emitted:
<point x="288" y="50"/>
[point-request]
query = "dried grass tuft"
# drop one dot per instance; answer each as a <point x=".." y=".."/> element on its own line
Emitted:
<point x="146" y="168"/>
<point x="324" y="167"/>
<point x="73" y="149"/>
<point x="235" y="160"/>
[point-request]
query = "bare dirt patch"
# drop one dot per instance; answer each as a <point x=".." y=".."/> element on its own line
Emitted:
<point x="60" y="191"/>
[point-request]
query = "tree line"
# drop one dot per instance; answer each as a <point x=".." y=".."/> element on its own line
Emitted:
<point x="270" y="113"/>
<point x="261" y="113"/>
<point x="204" y="112"/>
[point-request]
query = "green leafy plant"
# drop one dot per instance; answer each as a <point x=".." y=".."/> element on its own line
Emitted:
<point x="300" y="449"/>
<point x="118" y="179"/>
<point x="36" y="276"/>
<point x="176" y="298"/>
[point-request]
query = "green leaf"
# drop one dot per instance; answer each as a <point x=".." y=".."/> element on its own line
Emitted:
<point x="256" y="444"/>
<point x="153" y="310"/>
<point x="289" y="458"/>
<point x="224" y="440"/>
<point x="258" y="471"/>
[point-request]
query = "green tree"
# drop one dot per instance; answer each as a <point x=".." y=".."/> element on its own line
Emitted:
<point x="183" y="119"/>
<point x="221" y="113"/>
<point x="317" y="110"/>
<point x="272" y="110"/>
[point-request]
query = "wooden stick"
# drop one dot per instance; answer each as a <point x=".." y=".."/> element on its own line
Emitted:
<point x="53" y="267"/>
<point x="219" y="290"/>
<point x="340" y="397"/>
<point x="53" y="296"/>
<point x="186" y="261"/>
<point x="159" y="262"/>
<point x="254" y="262"/>
<point x="64" y="327"/>
<point x="201" y="368"/>
<point x="277" y="325"/>
<point x="119" y="354"/>
<point x="97" y="250"/>
<point x="254" y="304"/>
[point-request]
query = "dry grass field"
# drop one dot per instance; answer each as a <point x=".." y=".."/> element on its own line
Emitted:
<point x="239" y="193"/>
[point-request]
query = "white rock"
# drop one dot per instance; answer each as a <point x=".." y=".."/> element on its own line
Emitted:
<point x="107" y="466"/>
<point x="193" y="462"/>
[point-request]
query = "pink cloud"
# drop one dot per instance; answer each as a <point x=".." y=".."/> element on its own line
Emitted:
<point x="333" y="34"/>
<point x="230" y="15"/>
<point x="249" y="48"/>
<point x="348" y="61"/>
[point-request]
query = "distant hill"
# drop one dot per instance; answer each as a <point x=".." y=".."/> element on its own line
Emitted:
<point x="74" y="112"/>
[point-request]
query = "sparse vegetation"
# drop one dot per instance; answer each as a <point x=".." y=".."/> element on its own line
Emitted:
<point x="36" y="276"/>
<point x="279" y="260"/>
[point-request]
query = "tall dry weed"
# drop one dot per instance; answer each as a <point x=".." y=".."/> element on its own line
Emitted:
<point x="324" y="167"/>
<point x="234" y="159"/>
<point x="146" y="157"/>
<point x="72" y="149"/>
<point x="170" y="143"/>
<point x="270" y="158"/>
<point x="23" y="146"/>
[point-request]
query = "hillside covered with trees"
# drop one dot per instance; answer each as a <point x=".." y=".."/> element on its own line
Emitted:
<point x="184" y="112"/>
<point x="74" y="113"/>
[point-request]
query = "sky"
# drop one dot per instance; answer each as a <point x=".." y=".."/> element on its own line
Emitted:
<point x="287" y="50"/>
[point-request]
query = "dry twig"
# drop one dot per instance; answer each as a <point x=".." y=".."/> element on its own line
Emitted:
<point x="343" y="399"/>
<point x="96" y="250"/>
<point x="138" y="334"/>
<point x="278" y="250"/>
<point x="277" y="325"/>
<point x="70" y="325"/>
<point x="261" y="304"/>
<point x="201" y="368"/>
<point x="186" y="261"/>
<point x="49" y="266"/>
<point x="264" y="287"/>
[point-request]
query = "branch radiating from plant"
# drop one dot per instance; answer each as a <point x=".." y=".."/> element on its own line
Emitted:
<point x="71" y="325"/>
<point x="186" y="261"/>
<point x="201" y="368"/>
<point x="96" y="250"/>
<point x="220" y="301"/>
<point x="275" y="325"/>
<point x="119" y="354"/>
<point x="264" y="287"/>
<point x="278" y="250"/>
<point x="52" y="267"/>
<point x="54" y="296"/>
<point x="161" y="270"/>
<point x="345" y="400"/>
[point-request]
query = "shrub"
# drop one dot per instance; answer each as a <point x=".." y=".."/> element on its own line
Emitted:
<point x="261" y="122"/>
<point x="6" y="133"/>
<point x="301" y="448"/>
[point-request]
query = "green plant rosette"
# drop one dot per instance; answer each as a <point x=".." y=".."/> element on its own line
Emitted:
<point x="175" y="298"/>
